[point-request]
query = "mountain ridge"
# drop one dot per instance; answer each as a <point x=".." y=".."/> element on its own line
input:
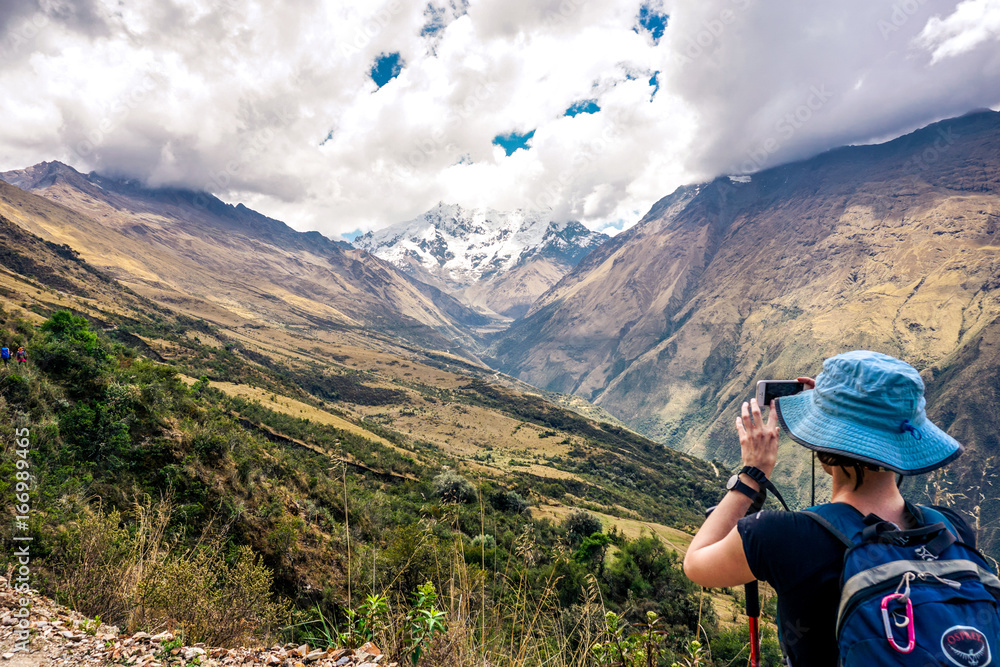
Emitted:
<point x="891" y="247"/>
<point x="226" y="261"/>
<point x="496" y="261"/>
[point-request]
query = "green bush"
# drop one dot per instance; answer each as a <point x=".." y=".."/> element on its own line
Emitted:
<point x="125" y="570"/>
<point x="508" y="501"/>
<point x="452" y="487"/>
<point x="70" y="353"/>
<point x="580" y="524"/>
<point x="729" y="646"/>
<point x="15" y="388"/>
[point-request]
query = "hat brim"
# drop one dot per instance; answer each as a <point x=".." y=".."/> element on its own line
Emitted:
<point x="901" y="452"/>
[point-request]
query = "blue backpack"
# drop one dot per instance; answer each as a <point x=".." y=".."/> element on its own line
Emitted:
<point x="4" y="353"/>
<point x="916" y="597"/>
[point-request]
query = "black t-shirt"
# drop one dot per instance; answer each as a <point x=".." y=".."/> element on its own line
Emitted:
<point x="803" y="562"/>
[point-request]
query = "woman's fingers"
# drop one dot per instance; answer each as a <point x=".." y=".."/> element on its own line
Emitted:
<point x="758" y="439"/>
<point x="772" y="417"/>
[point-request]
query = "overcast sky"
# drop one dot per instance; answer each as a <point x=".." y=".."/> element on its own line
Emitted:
<point x="353" y="114"/>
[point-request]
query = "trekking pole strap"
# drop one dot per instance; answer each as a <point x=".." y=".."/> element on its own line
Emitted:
<point x="830" y="528"/>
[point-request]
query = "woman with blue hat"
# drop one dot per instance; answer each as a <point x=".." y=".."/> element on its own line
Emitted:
<point x="865" y="417"/>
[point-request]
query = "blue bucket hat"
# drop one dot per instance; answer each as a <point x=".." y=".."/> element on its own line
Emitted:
<point x="870" y="407"/>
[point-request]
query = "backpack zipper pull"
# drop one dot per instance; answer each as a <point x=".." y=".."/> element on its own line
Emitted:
<point x="948" y="582"/>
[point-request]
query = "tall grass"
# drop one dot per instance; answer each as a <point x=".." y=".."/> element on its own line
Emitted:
<point x="128" y="572"/>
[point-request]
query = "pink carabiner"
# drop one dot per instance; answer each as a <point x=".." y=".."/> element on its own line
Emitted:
<point x="909" y="622"/>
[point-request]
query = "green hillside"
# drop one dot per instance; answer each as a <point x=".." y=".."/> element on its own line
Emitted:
<point x="181" y="474"/>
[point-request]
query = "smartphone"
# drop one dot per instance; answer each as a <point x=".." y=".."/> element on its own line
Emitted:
<point x="768" y="390"/>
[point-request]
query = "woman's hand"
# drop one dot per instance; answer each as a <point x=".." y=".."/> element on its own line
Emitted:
<point x="758" y="439"/>
<point x="808" y="382"/>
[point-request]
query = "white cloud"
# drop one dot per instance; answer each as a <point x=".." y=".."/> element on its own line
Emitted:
<point x="271" y="103"/>
<point x="781" y="80"/>
<point x="972" y="23"/>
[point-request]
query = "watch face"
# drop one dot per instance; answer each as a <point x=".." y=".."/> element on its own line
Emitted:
<point x="732" y="481"/>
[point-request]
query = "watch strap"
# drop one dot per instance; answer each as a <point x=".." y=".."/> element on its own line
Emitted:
<point x="745" y="489"/>
<point x="758" y="476"/>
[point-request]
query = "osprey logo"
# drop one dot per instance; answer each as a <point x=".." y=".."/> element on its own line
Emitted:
<point x="923" y="554"/>
<point x="966" y="646"/>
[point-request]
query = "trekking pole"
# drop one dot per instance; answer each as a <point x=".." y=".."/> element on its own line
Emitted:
<point x="752" y="592"/>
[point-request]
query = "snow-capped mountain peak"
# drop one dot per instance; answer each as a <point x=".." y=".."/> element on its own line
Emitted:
<point x="498" y="261"/>
<point x="462" y="246"/>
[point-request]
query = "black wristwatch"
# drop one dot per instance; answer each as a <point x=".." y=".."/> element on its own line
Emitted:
<point x="734" y="484"/>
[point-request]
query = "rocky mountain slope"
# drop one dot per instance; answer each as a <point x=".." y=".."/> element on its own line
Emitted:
<point x="224" y="262"/>
<point x="267" y="467"/>
<point x="892" y="247"/>
<point x="498" y="261"/>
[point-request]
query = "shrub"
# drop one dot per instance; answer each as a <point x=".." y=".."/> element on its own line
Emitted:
<point x="451" y="486"/>
<point x="130" y="576"/>
<point x="580" y="524"/>
<point x="212" y="601"/>
<point x="72" y="354"/>
<point x="508" y="501"/>
<point x="15" y="389"/>
<point x="485" y="541"/>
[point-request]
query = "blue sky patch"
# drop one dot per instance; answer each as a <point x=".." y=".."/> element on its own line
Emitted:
<point x="386" y="68"/>
<point x="513" y="141"/>
<point x="585" y="106"/>
<point x="652" y="21"/>
<point x="435" y="21"/>
<point x="613" y="227"/>
<point x="654" y="81"/>
<point x="440" y="14"/>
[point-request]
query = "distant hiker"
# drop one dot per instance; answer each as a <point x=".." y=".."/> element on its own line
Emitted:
<point x="864" y="415"/>
<point x="21" y="355"/>
<point x="5" y="354"/>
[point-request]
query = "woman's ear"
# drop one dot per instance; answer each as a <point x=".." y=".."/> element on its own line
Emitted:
<point x="828" y="469"/>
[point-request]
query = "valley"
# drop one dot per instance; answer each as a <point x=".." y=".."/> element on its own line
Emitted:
<point x="878" y="247"/>
<point x="329" y="453"/>
<point x="294" y="377"/>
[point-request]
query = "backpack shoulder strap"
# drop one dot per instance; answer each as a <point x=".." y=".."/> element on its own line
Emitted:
<point x="932" y="514"/>
<point x="955" y="524"/>
<point x="840" y="520"/>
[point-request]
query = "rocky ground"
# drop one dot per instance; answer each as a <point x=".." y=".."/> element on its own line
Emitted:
<point x="59" y="636"/>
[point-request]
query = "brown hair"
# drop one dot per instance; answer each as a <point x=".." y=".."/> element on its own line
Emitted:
<point x="845" y="462"/>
